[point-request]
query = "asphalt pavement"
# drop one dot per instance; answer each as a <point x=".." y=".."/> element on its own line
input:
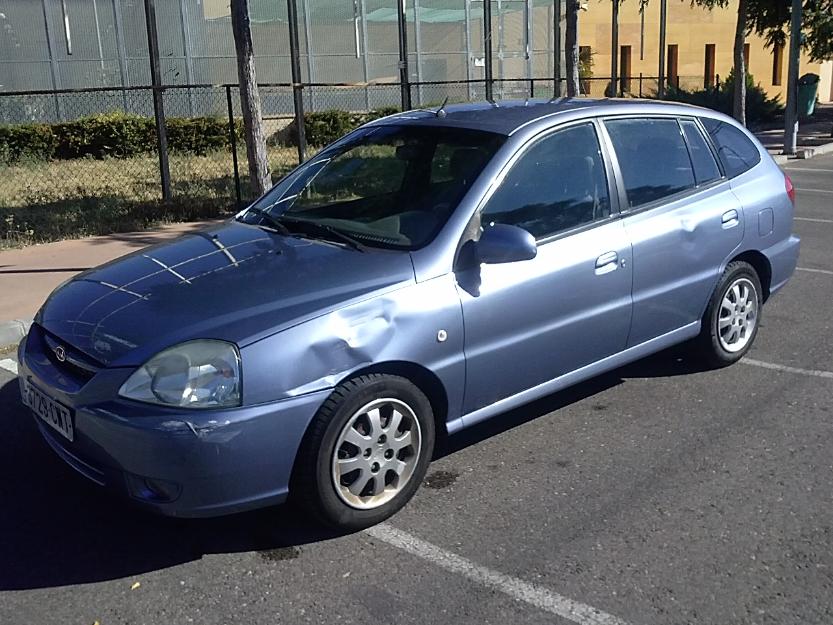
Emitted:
<point x="659" y="493"/>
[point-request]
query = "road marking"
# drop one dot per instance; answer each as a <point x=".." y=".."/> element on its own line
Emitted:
<point x="806" y="190"/>
<point x="515" y="588"/>
<point x="818" y="221"/>
<point x="796" y="168"/>
<point x="824" y="271"/>
<point x="786" y="369"/>
<point x="9" y="365"/>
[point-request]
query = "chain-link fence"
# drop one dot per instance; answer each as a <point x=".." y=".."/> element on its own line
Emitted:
<point x="78" y="162"/>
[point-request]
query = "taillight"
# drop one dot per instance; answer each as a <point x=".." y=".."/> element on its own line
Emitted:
<point x="790" y="188"/>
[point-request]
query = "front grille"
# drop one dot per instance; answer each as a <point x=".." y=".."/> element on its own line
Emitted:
<point x="75" y="363"/>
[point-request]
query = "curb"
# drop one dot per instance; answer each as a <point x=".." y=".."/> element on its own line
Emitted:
<point x="11" y="332"/>
<point x="804" y="153"/>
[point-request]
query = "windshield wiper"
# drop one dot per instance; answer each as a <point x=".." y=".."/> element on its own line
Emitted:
<point x="270" y="220"/>
<point x="323" y="230"/>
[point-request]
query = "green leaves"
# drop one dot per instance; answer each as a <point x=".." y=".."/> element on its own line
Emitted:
<point x="111" y="135"/>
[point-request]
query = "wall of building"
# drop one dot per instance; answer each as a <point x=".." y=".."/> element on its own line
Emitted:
<point x="691" y="29"/>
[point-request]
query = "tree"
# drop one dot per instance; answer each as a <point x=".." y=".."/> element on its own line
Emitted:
<point x="769" y="19"/>
<point x="259" y="175"/>
<point x="739" y="102"/>
<point x="571" y="47"/>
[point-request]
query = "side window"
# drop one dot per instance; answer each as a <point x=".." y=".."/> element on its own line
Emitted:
<point x="705" y="167"/>
<point x="735" y="150"/>
<point x="557" y="184"/>
<point x="653" y="157"/>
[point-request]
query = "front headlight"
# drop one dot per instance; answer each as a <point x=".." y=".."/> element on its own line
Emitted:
<point x="196" y="374"/>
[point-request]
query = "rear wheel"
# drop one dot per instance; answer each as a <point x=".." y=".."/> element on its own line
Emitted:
<point x="731" y="322"/>
<point x="366" y="451"/>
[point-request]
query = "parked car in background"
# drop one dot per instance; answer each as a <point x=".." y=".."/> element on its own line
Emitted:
<point x="428" y="271"/>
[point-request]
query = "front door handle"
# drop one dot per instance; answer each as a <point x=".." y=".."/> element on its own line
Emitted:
<point x="730" y="219"/>
<point x="606" y="263"/>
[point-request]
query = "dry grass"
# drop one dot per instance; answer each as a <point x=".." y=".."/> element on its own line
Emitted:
<point x="48" y="201"/>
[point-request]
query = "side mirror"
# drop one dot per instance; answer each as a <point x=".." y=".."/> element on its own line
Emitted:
<point x="503" y="243"/>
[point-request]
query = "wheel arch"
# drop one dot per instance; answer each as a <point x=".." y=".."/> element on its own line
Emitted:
<point x="760" y="263"/>
<point x="426" y="380"/>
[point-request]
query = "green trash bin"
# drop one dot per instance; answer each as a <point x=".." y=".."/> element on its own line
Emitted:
<point x="808" y="86"/>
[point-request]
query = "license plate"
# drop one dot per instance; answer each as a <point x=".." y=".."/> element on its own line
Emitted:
<point x="55" y="415"/>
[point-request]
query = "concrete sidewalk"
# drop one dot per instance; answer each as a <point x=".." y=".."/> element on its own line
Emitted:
<point x="815" y="135"/>
<point x="28" y="275"/>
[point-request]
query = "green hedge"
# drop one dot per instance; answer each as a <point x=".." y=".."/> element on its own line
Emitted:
<point x="27" y="141"/>
<point x="324" y="127"/>
<point x="111" y="135"/>
<point x="759" y="106"/>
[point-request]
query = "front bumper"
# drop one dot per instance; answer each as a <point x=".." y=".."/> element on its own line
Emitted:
<point x="202" y="463"/>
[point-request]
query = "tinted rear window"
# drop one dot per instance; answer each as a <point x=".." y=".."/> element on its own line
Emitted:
<point x="653" y="157"/>
<point x="736" y="151"/>
<point x="705" y="167"/>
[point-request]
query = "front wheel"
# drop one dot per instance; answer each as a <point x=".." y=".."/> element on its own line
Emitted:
<point x="731" y="322"/>
<point x="365" y="452"/>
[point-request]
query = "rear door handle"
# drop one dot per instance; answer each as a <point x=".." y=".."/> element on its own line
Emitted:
<point x="606" y="263"/>
<point x="730" y="219"/>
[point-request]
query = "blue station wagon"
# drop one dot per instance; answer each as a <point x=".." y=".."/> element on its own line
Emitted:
<point x="428" y="271"/>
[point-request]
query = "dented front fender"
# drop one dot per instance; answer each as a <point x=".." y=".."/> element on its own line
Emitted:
<point x="421" y="323"/>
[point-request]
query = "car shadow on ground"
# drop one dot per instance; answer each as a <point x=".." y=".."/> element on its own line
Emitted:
<point x="57" y="529"/>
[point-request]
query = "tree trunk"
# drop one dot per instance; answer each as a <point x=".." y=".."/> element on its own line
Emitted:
<point x="739" y="101"/>
<point x="261" y="180"/>
<point x="571" y="47"/>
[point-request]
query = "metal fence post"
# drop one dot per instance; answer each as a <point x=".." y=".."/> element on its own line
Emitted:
<point x="556" y="53"/>
<point x="404" y="77"/>
<point x="487" y="46"/>
<point x="297" y="86"/>
<point x="663" y="12"/>
<point x="233" y="140"/>
<point x="614" y="49"/>
<point x="158" y="104"/>
<point x="122" y="51"/>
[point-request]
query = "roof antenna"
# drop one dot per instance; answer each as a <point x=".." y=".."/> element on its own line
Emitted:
<point x="440" y="112"/>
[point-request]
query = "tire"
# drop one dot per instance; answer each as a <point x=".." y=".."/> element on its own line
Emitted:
<point x="360" y="463"/>
<point x="732" y="317"/>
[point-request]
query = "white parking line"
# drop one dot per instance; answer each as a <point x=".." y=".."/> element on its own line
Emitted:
<point x="9" y="365"/>
<point x="824" y="271"/>
<point x="796" y="168"/>
<point x="513" y="587"/>
<point x="818" y="221"/>
<point x="806" y="190"/>
<point x="786" y="369"/>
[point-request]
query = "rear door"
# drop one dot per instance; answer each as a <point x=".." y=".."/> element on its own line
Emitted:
<point x="681" y="217"/>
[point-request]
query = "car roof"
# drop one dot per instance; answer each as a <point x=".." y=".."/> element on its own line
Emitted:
<point x="507" y="116"/>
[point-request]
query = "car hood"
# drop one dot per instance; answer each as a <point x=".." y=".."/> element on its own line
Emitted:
<point x="233" y="282"/>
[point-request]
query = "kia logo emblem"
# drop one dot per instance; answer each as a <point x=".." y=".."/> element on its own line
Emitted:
<point x="60" y="353"/>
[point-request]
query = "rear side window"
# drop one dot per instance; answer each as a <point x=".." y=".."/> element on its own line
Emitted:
<point x="557" y="184"/>
<point x="736" y="151"/>
<point x="653" y="157"/>
<point x="705" y="167"/>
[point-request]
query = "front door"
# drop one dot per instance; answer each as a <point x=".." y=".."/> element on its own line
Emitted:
<point x="531" y="321"/>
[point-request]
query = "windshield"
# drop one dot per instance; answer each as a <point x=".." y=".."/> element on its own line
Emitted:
<point x="388" y="186"/>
